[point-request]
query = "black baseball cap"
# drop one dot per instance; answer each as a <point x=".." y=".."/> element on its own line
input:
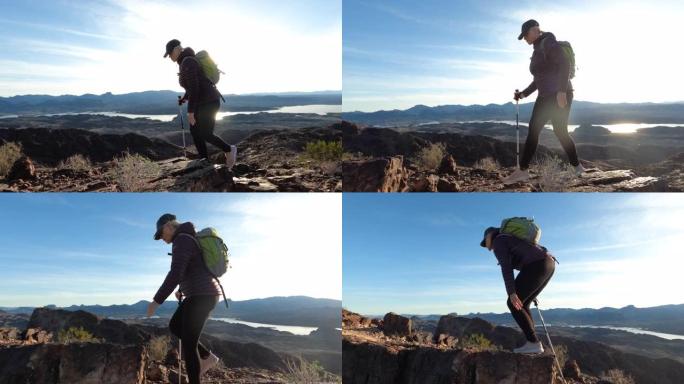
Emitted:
<point x="165" y="218"/>
<point x="170" y="46"/>
<point x="525" y="28"/>
<point x="487" y="232"/>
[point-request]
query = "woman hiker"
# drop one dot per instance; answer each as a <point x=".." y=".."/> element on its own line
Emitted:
<point x="203" y="102"/>
<point x="200" y="289"/>
<point x="551" y="70"/>
<point x="536" y="266"/>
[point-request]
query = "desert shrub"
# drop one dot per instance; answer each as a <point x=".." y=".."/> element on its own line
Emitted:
<point x="301" y="371"/>
<point x="159" y="347"/>
<point x="324" y="150"/>
<point x="133" y="171"/>
<point x="429" y="158"/>
<point x="76" y="162"/>
<point x="476" y="341"/>
<point x="9" y="153"/>
<point x="616" y="376"/>
<point x="554" y="174"/>
<point x="75" y="335"/>
<point x="487" y="163"/>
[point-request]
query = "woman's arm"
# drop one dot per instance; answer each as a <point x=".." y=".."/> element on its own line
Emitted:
<point x="183" y="246"/>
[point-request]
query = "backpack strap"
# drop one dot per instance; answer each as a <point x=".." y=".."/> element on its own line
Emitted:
<point x="223" y="292"/>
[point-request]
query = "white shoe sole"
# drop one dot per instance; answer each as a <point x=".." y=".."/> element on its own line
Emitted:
<point x="231" y="157"/>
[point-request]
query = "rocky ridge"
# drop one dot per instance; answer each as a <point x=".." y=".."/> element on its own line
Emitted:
<point x="115" y="352"/>
<point x="385" y="161"/>
<point x="268" y="161"/>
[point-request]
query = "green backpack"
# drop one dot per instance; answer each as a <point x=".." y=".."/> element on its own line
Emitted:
<point x="569" y="55"/>
<point x="215" y="254"/>
<point x="214" y="251"/>
<point x="521" y="227"/>
<point x="209" y="67"/>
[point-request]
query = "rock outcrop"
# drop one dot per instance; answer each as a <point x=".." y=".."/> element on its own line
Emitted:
<point x="396" y="325"/>
<point x="371" y="356"/>
<point x="119" y="353"/>
<point x="476" y="163"/>
<point x="49" y="146"/>
<point x="78" y="363"/>
<point x="108" y="330"/>
<point x="377" y="175"/>
<point x="268" y="161"/>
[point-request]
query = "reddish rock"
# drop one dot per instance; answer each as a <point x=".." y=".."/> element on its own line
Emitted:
<point x="396" y="325"/>
<point x="572" y="370"/>
<point x="22" y="169"/>
<point x="37" y="336"/>
<point x="377" y="175"/>
<point x="447" y="166"/>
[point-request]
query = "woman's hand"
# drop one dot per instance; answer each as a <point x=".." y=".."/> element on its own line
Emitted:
<point x="151" y="308"/>
<point x="517" y="304"/>
<point x="179" y="295"/>
<point x="191" y="118"/>
<point x="562" y="99"/>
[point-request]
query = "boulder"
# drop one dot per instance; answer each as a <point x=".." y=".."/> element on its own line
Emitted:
<point x="354" y="320"/>
<point x="447" y="166"/>
<point x="571" y="370"/>
<point x="396" y="325"/>
<point x="424" y="183"/>
<point x="448" y="184"/>
<point x="37" y="336"/>
<point x="108" y="330"/>
<point x="378" y="175"/>
<point x="22" y="169"/>
<point x="7" y="334"/>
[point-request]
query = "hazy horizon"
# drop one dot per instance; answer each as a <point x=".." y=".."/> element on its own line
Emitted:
<point x="149" y="300"/>
<point x="504" y="312"/>
<point x="177" y="91"/>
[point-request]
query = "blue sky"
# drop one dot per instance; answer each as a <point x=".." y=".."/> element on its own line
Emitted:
<point x="88" y="248"/>
<point x="66" y="47"/>
<point x="420" y="253"/>
<point x="402" y="53"/>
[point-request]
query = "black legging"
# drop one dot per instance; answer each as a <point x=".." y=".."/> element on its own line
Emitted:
<point x="546" y="108"/>
<point x="187" y="324"/>
<point x="203" y="130"/>
<point x="528" y="285"/>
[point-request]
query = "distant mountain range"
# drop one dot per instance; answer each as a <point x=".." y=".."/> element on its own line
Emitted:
<point x="293" y="310"/>
<point x="664" y="318"/>
<point x="155" y="102"/>
<point x="583" y="112"/>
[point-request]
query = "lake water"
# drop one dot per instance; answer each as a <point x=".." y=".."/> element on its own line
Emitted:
<point x="319" y="109"/>
<point x="614" y="128"/>
<point x="302" y="331"/>
<point x="667" y="336"/>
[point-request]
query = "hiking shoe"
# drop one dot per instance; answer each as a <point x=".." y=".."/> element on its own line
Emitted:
<point x="208" y="363"/>
<point x="231" y="157"/>
<point x="579" y="169"/>
<point x="530" y="348"/>
<point x="517" y="176"/>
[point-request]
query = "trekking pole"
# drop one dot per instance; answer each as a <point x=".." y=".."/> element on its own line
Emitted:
<point x="180" y="348"/>
<point x="180" y="115"/>
<point x="548" y="338"/>
<point x="517" y="129"/>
